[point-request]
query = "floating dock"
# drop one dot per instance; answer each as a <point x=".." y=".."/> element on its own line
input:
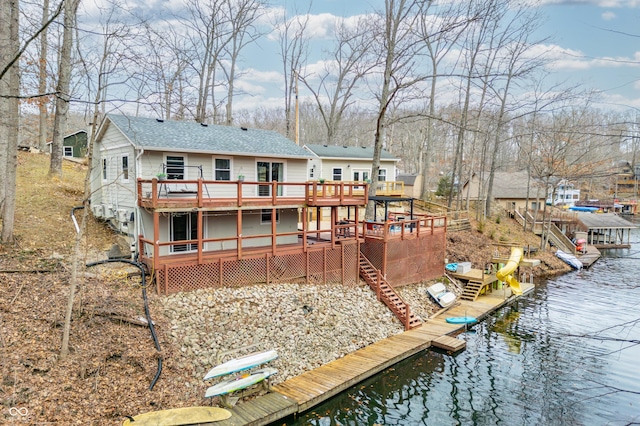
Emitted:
<point x="311" y="388"/>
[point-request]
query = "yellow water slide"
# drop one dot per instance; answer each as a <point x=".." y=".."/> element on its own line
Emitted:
<point x="506" y="272"/>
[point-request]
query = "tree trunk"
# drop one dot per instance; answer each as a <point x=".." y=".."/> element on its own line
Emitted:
<point x="9" y="112"/>
<point x="75" y="265"/>
<point x="62" y="88"/>
<point x="42" y="80"/>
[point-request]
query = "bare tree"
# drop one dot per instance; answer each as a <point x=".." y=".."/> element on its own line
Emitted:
<point x="396" y="48"/>
<point x="340" y="75"/>
<point x="62" y="88"/>
<point x="440" y="33"/>
<point x="209" y="33"/>
<point x="9" y="113"/>
<point x="42" y="79"/>
<point x="517" y="63"/>
<point x="99" y="65"/>
<point x="479" y="56"/>
<point x="165" y="73"/>
<point x="293" y="52"/>
<point x="243" y="14"/>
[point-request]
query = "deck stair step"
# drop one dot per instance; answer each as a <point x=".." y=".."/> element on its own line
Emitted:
<point x="471" y="291"/>
<point x="387" y="294"/>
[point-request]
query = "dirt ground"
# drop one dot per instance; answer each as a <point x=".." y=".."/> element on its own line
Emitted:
<point x="112" y="360"/>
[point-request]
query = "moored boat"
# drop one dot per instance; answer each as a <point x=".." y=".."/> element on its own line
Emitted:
<point x="462" y="320"/>
<point x="441" y="295"/>
<point x="240" y="364"/>
<point x="231" y="385"/>
<point x="569" y="259"/>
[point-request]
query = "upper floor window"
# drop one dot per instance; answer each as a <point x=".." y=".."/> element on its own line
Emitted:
<point x="175" y="167"/>
<point x="336" y="174"/>
<point x="125" y="167"/>
<point x="382" y="175"/>
<point x="222" y="169"/>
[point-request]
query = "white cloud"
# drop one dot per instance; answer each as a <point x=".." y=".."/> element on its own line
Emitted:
<point x="608" y="16"/>
<point x="253" y="74"/>
<point x="563" y="59"/>
<point x="316" y="27"/>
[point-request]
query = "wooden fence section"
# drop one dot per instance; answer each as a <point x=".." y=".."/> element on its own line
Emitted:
<point x="314" y="387"/>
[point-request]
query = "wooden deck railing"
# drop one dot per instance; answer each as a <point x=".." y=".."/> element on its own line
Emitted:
<point x="384" y="188"/>
<point x="184" y="194"/>
<point x="237" y="247"/>
<point x="403" y="229"/>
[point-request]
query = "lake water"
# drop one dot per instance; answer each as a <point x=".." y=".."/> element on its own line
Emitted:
<point x="567" y="354"/>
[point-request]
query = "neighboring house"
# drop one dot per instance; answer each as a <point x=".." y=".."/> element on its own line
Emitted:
<point x="564" y="195"/>
<point x="335" y="163"/>
<point x="510" y="190"/>
<point x="74" y="145"/>
<point x="627" y="180"/>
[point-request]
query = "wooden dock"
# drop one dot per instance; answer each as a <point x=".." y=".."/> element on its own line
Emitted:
<point x="589" y="258"/>
<point x="449" y="343"/>
<point x="309" y="389"/>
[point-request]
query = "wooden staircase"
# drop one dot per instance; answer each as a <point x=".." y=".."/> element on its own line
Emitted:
<point x="471" y="291"/>
<point x="387" y="294"/>
<point x="459" y="225"/>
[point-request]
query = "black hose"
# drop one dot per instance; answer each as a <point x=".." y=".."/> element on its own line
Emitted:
<point x="146" y="308"/>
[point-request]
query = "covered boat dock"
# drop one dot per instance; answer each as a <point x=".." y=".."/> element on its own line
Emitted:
<point x="606" y="230"/>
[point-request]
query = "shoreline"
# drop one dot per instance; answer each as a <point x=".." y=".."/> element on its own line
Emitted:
<point x="309" y="326"/>
<point x="306" y="391"/>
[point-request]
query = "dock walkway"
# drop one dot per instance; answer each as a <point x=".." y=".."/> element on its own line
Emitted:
<point x="589" y="257"/>
<point x="311" y="388"/>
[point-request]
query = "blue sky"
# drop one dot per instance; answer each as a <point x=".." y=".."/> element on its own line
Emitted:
<point x="595" y="43"/>
<point x="601" y="47"/>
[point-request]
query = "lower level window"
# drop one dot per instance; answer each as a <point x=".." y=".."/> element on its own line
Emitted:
<point x="265" y="216"/>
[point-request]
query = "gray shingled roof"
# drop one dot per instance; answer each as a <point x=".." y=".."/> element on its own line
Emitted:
<point x="185" y="136"/>
<point x="347" y="152"/>
<point x="513" y="185"/>
<point x="407" y="179"/>
<point x="604" y="220"/>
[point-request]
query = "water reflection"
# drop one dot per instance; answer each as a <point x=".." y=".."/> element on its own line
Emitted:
<point x="565" y="355"/>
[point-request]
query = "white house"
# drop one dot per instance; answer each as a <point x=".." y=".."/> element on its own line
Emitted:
<point x="336" y="163"/>
<point x="565" y="194"/>
<point x="132" y="148"/>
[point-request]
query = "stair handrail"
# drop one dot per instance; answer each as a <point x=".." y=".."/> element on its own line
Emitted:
<point x="404" y="319"/>
<point x="562" y="239"/>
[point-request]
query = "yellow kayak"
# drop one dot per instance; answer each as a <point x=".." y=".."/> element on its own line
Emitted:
<point x="179" y="416"/>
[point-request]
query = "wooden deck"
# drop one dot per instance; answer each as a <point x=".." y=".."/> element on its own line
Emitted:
<point x="309" y="389"/>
